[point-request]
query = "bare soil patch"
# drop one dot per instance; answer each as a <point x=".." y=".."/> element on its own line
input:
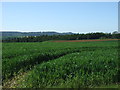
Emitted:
<point x="85" y="40"/>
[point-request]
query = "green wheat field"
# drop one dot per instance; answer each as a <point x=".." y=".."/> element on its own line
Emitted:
<point x="61" y="64"/>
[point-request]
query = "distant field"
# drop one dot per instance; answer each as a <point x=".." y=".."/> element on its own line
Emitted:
<point x="60" y="65"/>
<point x="86" y="40"/>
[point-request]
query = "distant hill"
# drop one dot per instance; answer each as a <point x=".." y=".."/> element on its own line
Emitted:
<point x="6" y="34"/>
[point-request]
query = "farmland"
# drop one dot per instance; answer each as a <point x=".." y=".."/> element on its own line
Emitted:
<point x="60" y="64"/>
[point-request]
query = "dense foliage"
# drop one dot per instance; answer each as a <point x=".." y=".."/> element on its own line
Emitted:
<point x="96" y="35"/>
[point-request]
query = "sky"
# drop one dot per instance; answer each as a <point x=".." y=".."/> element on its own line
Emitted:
<point x="77" y="17"/>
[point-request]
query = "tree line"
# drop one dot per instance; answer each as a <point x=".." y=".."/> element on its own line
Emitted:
<point x="97" y="35"/>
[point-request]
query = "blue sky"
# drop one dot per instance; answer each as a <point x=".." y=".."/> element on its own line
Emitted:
<point x="79" y="17"/>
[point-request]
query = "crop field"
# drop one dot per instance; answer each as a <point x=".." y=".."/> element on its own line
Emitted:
<point x="60" y="64"/>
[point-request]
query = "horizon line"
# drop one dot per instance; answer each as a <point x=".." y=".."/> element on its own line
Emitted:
<point x="55" y="31"/>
